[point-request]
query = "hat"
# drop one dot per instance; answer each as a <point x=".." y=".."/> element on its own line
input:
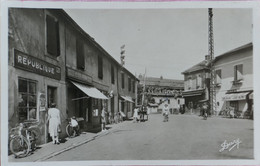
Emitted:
<point x="73" y="117"/>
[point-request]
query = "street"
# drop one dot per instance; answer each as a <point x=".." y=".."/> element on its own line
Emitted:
<point x="184" y="137"/>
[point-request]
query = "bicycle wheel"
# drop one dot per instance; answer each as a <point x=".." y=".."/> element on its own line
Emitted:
<point x="70" y="131"/>
<point x="19" y="146"/>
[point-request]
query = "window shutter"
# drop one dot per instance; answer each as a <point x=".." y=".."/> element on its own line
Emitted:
<point x="80" y="54"/>
<point x="53" y="42"/>
<point x="100" y="67"/>
<point x="235" y="73"/>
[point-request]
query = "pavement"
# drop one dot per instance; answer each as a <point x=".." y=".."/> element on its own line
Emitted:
<point x="49" y="150"/>
<point x="183" y="137"/>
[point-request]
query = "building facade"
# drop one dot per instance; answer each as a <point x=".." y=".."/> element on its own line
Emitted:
<point x="160" y="91"/>
<point x="52" y="60"/>
<point x="234" y="80"/>
<point x="196" y="84"/>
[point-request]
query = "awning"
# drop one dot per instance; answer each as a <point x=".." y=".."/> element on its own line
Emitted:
<point x="251" y="96"/>
<point x="127" y="98"/>
<point x="235" y="96"/>
<point x="90" y="91"/>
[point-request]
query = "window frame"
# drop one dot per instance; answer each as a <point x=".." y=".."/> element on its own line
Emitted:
<point x="27" y="94"/>
<point x="236" y="72"/>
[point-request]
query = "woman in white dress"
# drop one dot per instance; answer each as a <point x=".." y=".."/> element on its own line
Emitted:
<point x="136" y="114"/>
<point x="54" y="122"/>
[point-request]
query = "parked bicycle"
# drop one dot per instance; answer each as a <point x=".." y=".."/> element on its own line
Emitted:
<point x="73" y="129"/>
<point x="23" y="139"/>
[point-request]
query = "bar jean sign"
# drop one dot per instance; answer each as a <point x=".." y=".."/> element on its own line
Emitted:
<point x="35" y="65"/>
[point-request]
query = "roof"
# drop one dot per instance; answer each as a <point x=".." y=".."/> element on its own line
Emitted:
<point x="199" y="66"/>
<point x="154" y="81"/>
<point x="243" y="47"/>
<point x="202" y="65"/>
<point x="91" y="39"/>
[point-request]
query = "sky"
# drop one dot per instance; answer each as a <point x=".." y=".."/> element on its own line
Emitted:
<point x="164" y="42"/>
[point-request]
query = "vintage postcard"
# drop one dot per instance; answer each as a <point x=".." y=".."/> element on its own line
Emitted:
<point x="130" y="83"/>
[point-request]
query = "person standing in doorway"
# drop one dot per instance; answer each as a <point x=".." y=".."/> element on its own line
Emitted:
<point x="54" y="123"/>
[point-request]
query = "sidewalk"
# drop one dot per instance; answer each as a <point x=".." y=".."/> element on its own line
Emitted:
<point x="50" y="150"/>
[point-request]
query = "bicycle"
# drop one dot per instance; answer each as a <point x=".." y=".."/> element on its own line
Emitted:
<point x="73" y="131"/>
<point x="23" y="139"/>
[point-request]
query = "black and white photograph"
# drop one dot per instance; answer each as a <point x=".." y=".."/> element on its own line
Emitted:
<point x="129" y="83"/>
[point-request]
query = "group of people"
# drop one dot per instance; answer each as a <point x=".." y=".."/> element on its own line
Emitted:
<point x="139" y="113"/>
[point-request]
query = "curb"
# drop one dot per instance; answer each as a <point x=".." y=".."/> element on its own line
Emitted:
<point x="71" y="147"/>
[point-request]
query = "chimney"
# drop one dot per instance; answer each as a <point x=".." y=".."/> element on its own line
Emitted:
<point x="207" y="58"/>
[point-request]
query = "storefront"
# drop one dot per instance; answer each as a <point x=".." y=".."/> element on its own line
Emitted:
<point x="33" y="85"/>
<point x="127" y="106"/>
<point x="240" y="101"/>
<point x="86" y="101"/>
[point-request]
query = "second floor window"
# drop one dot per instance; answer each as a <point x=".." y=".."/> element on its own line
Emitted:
<point x="52" y="36"/>
<point x="218" y="76"/>
<point x="123" y="80"/>
<point x="198" y="81"/>
<point x="129" y="84"/>
<point x="80" y="55"/>
<point x="112" y="75"/>
<point x="100" y="67"/>
<point x="238" y="72"/>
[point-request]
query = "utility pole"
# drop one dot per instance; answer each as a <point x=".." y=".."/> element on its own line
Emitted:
<point x="212" y="94"/>
<point x="143" y="88"/>
<point x="122" y="56"/>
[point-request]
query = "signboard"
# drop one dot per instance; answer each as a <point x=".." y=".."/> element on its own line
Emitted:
<point x="35" y="65"/>
<point x="235" y="96"/>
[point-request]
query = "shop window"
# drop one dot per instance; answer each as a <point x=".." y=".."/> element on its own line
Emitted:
<point x="218" y="76"/>
<point x="238" y="72"/>
<point x="129" y="84"/>
<point x="112" y="74"/>
<point x="95" y="105"/>
<point x="52" y="95"/>
<point x="53" y="38"/>
<point x="27" y="100"/>
<point x="123" y="80"/>
<point x="169" y="101"/>
<point x="80" y="55"/>
<point x="100" y="67"/>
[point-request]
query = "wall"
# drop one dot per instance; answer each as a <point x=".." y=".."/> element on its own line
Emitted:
<point x="226" y="64"/>
<point x="27" y="34"/>
<point x="193" y="77"/>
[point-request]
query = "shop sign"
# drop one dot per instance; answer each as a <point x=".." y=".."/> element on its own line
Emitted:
<point x="35" y="65"/>
<point x="237" y="96"/>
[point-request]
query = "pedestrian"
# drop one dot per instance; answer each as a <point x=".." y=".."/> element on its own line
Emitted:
<point x="75" y="125"/>
<point x="166" y="112"/>
<point x="54" y="123"/>
<point x="103" y="119"/>
<point x="191" y="107"/>
<point x="135" y="116"/>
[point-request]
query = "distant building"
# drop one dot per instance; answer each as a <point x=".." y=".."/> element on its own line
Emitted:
<point x="159" y="91"/>
<point x="234" y="80"/>
<point x="196" y="84"/>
